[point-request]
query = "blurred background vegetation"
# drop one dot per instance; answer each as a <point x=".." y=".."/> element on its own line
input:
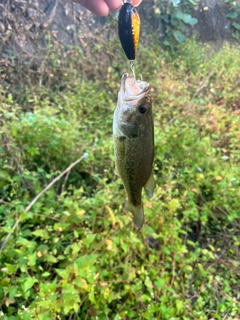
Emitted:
<point x="74" y="254"/>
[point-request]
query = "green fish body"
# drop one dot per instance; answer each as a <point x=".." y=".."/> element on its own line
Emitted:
<point x="133" y="133"/>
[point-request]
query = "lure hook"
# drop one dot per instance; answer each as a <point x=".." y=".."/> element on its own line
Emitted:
<point x="141" y="78"/>
<point x="132" y="66"/>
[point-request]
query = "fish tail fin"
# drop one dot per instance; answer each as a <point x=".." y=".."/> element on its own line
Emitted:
<point x="138" y="214"/>
<point x="149" y="186"/>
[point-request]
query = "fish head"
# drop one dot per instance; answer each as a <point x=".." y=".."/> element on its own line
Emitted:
<point x="134" y="108"/>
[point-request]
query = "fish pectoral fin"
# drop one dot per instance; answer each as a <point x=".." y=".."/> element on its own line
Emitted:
<point x="138" y="214"/>
<point x="149" y="186"/>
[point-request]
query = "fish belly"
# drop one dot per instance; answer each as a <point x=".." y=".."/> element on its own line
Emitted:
<point x="134" y="158"/>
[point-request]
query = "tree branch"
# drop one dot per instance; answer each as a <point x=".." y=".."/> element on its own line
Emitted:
<point x="39" y="195"/>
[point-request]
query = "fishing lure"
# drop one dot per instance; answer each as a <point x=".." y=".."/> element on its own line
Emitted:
<point x="128" y="29"/>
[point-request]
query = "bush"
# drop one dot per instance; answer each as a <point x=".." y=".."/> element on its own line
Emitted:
<point x="74" y="254"/>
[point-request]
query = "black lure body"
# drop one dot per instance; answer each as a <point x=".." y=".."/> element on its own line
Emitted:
<point x="128" y="29"/>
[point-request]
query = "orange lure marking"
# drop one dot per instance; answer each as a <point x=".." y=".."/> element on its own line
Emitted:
<point x="135" y="30"/>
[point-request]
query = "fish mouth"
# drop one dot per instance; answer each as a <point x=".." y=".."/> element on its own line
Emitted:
<point x="133" y="89"/>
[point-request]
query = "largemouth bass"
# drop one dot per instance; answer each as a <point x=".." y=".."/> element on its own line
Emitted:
<point x="133" y="133"/>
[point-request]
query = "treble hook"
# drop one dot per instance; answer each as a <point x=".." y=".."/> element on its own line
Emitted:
<point x="132" y="66"/>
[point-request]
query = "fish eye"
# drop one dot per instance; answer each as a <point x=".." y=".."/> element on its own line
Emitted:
<point x="142" y="108"/>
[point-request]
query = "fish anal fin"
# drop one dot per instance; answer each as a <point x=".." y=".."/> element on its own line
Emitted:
<point x="149" y="186"/>
<point x="137" y="212"/>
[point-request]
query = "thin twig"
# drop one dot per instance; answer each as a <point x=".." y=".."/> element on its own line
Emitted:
<point x="109" y="236"/>
<point x="229" y="297"/>
<point x="46" y="217"/>
<point x="203" y="85"/>
<point x="65" y="180"/>
<point x="51" y="16"/>
<point x="39" y="195"/>
<point x="5" y="202"/>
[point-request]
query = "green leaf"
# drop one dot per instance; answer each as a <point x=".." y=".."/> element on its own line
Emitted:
<point x="41" y="233"/>
<point x="159" y="283"/>
<point x="25" y="316"/>
<point x="176" y="2"/>
<point x="85" y="261"/>
<point x="28" y="283"/>
<point x="179" y="305"/>
<point x="46" y="274"/>
<point x="179" y="36"/>
<point x="149" y="230"/>
<point x="89" y="239"/>
<point x="179" y="15"/>
<point x="11" y="268"/>
<point x="190" y="20"/>
<point x="45" y="315"/>
<point x="236" y="25"/>
<point x="232" y="15"/>
<point x="32" y="259"/>
<point x="12" y="292"/>
<point x="236" y="35"/>
<point x="148" y="283"/>
<point x="186" y="18"/>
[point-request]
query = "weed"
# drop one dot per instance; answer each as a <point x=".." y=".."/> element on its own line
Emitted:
<point x="74" y="254"/>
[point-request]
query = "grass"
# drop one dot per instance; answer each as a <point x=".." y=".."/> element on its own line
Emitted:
<point x="75" y="254"/>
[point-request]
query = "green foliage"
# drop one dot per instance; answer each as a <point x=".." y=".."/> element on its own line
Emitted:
<point x="176" y="20"/>
<point x="74" y="254"/>
<point x="233" y="15"/>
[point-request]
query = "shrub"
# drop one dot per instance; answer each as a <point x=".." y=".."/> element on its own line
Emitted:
<point x="74" y="254"/>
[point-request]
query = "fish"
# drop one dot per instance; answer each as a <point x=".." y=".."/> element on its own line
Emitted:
<point x="129" y="29"/>
<point x="133" y="133"/>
